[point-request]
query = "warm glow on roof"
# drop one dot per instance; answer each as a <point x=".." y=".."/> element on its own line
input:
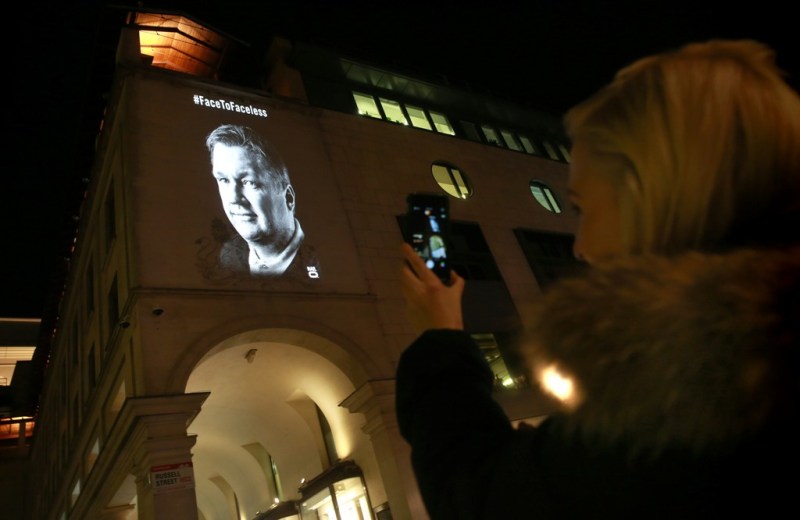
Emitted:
<point x="178" y="43"/>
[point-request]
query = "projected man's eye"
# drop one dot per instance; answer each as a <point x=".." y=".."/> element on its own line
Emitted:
<point x="259" y="200"/>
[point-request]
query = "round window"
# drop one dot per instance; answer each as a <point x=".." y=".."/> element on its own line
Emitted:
<point x="545" y="196"/>
<point x="451" y="179"/>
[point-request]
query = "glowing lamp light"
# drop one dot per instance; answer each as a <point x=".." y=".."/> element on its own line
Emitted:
<point x="555" y="383"/>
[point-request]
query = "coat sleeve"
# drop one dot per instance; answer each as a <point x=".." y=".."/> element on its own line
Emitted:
<point x="446" y="412"/>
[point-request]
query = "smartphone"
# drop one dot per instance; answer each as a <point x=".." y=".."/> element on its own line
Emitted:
<point x="427" y="229"/>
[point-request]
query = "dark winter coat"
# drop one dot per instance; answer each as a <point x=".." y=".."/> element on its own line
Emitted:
<point x="688" y="367"/>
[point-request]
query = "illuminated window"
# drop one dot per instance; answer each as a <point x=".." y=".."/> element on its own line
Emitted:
<point x="366" y="105"/>
<point x="117" y="401"/>
<point x="503" y="378"/>
<point x="565" y="152"/>
<point x="442" y="124"/>
<point x="451" y="180"/>
<point x="418" y="118"/>
<point x="510" y="140"/>
<point x="327" y="436"/>
<point x="178" y="43"/>
<point x="339" y="493"/>
<point x="545" y="196"/>
<point x="393" y="111"/>
<point x="551" y="151"/>
<point x="491" y="135"/>
<point x="529" y="146"/>
<point x="92" y="455"/>
<point x="276" y="477"/>
<point x="76" y="492"/>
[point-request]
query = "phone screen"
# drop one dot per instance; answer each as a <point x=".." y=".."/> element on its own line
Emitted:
<point x="427" y="230"/>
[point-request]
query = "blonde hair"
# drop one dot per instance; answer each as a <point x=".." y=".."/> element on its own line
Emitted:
<point x="707" y="140"/>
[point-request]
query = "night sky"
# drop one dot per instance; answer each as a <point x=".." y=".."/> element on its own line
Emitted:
<point x="546" y="55"/>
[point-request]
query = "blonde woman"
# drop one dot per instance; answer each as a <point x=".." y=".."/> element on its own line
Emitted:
<point x="677" y="353"/>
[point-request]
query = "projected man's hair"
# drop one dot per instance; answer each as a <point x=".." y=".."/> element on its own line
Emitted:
<point x="265" y="154"/>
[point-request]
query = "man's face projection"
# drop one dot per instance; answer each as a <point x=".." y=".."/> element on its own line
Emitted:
<point x="256" y="204"/>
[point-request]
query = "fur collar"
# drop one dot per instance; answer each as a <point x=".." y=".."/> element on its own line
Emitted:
<point x="697" y="351"/>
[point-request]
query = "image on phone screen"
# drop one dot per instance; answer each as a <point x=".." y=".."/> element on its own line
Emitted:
<point x="427" y="231"/>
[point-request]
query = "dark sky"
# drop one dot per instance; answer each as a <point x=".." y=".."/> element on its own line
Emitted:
<point x="545" y="54"/>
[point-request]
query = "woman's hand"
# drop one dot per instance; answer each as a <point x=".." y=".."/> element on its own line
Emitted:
<point x="431" y="303"/>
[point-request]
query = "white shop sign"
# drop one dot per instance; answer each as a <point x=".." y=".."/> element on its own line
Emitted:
<point x="172" y="477"/>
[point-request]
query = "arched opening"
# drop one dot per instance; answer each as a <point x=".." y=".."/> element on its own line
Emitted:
<point x="272" y="419"/>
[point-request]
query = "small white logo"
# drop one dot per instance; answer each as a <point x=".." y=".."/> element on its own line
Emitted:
<point x="312" y="271"/>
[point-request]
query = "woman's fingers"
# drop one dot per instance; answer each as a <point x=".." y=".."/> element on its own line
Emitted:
<point x="431" y="303"/>
<point x="416" y="263"/>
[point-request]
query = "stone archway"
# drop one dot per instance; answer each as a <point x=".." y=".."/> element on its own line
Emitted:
<point x="265" y="386"/>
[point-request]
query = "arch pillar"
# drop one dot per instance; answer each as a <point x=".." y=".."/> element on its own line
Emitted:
<point x="123" y="512"/>
<point x="162" y="457"/>
<point x="376" y="400"/>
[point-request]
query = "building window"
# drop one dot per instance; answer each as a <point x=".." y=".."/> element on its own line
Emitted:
<point x="451" y="180"/>
<point x="565" y="153"/>
<point x="545" y="196"/>
<point x="510" y="140"/>
<point x="441" y="123"/>
<point x="92" y="455"/>
<point x="76" y="492"/>
<point x="338" y="493"/>
<point x="393" y="111"/>
<point x="418" y="118"/>
<point x="366" y="105"/>
<point x="491" y="135"/>
<point x="472" y="258"/>
<point x="549" y="254"/>
<point x="277" y="487"/>
<point x="493" y="353"/>
<point x="529" y="146"/>
<point x="327" y="437"/>
<point x="471" y="131"/>
<point x="551" y="151"/>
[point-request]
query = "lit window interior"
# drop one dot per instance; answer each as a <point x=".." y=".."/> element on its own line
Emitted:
<point x="442" y="124"/>
<point x="177" y="43"/>
<point x="544" y="196"/>
<point x="366" y="105"/>
<point x="418" y="119"/>
<point x="451" y="180"/>
<point x="393" y="111"/>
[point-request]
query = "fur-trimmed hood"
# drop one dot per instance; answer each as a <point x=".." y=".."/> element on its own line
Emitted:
<point x="698" y="350"/>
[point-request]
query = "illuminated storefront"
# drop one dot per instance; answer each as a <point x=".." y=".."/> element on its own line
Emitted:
<point x="339" y="493"/>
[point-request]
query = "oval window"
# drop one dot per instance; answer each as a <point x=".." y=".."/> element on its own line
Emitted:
<point x="452" y="180"/>
<point x="545" y="196"/>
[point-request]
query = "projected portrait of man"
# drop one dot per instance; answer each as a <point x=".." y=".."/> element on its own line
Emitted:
<point x="259" y="201"/>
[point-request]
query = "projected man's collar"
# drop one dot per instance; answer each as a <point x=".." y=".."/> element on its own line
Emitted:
<point x="279" y="263"/>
